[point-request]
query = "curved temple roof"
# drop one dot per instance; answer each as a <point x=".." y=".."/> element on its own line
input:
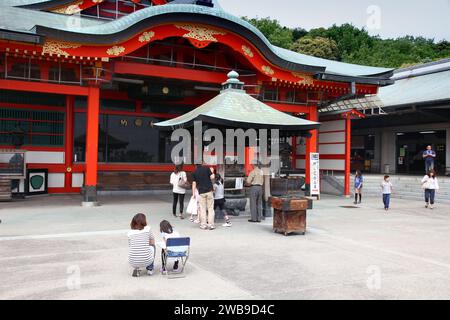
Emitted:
<point x="125" y="27"/>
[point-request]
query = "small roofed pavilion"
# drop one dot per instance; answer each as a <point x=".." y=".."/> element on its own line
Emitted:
<point x="234" y="108"/>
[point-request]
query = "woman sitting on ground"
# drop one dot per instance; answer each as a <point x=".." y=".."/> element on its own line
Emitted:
<point x="141" y="244"/>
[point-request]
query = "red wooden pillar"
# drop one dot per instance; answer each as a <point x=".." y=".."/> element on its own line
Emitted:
<point x="249" y="156"/>
<point x="68" y="143"/>
<point x="311" y="147"/>
<point x="348" y="144"/>
<point x="90" y="181"/>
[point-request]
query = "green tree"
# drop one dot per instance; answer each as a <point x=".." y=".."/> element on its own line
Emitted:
<point x="317" y="47"/>
<point x="277" y="35"/>
<point x="298" y="33"/>
<point x="354" y="45"/>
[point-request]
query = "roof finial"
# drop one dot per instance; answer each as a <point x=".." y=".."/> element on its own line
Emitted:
<point x="233" y="82"/>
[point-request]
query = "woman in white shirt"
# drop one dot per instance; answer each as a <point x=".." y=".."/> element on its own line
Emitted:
<point x="430" y="185"/>
<point x="178" y="179"/>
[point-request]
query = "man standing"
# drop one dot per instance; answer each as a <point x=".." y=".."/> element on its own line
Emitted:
<point x="203" y="177"/>
<point x="429" y="155"/>
<point x="256" y="180"/>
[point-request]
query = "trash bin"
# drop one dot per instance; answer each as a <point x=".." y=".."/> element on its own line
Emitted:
<point x="387" y="168"/>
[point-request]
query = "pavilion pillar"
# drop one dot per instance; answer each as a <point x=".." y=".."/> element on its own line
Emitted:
<point x="311" y="147"/>
<point x="348" y="145"/>
<point x="68" y="143"/>
<point x="90" y="181"/>
<point x="249" y="158"/>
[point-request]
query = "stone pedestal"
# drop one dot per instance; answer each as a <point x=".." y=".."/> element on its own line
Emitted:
<point x="90" y="196"/>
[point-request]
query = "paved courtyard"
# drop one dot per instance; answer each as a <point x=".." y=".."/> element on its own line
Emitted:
<point x="347" y="253"/>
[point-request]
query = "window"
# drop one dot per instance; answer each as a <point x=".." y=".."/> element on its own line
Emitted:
<point x="31" y="127"/>
<point x="124" y="139"/>
<point x="270" y="94"/>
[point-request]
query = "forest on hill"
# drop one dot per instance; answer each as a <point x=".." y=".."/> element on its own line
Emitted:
<point x="348" y="43"/>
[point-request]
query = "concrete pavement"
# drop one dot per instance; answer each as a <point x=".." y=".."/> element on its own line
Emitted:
<point x="51" y="248"/>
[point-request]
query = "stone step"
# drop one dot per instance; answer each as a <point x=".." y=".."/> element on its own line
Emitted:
<point x="405" y="187"/>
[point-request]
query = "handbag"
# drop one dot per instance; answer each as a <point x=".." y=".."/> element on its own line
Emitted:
<point x="184" y="184"/>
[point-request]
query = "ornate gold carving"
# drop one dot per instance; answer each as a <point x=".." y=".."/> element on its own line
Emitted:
<point x="305" y="79"/>
<point x="146" y="36"/>
<point x="200" y="33"/>
<point x="267" y="70"/>
<point x="56" y="47"/>
<point x="247" y="51"/>
<point x="115" y="51"/>
<point x="70" y="9"/>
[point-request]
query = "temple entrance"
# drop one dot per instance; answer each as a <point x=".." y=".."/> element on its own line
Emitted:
<point x="410" y="146"/>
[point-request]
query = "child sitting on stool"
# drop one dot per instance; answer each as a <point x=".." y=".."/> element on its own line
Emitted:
<point x="167" y="231"/>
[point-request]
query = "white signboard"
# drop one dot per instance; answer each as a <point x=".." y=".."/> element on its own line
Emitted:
<point x="239" y="184"/>
<point x="315" y="174"/>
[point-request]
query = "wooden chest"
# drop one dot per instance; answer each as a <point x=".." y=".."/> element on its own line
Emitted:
<point x="289" y="215"/>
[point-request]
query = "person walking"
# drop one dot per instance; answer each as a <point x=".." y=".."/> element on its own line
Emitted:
<point x="430" y="185"/>
<point x="386" y="188"/>
<point x="429" y="156"/>
<point x="358" y="186"/>
<point x="202" y="181"/>
<point x="255" y="180"/>
<point x="178" y="180"/>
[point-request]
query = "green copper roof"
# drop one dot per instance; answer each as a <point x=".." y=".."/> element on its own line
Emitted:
<point x="331" y="66"/>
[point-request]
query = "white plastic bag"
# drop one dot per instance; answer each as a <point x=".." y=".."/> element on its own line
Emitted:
<point x="192" y="207"/>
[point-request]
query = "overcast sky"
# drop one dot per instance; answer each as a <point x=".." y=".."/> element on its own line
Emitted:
<point x="388" y="18"/>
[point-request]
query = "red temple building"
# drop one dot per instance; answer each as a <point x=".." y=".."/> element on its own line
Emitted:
<point x="85" y="80"/>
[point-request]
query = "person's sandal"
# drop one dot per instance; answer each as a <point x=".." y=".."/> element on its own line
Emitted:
<point x="181" y="216"/>
<point x="191" y="219"/>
